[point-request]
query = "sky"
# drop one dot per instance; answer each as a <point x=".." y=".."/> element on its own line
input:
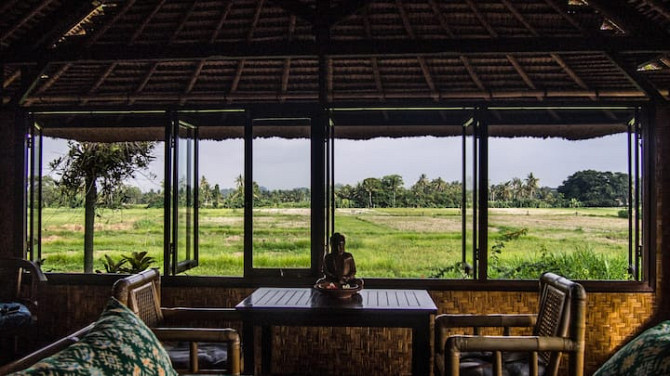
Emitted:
<point x="284" y="164"/>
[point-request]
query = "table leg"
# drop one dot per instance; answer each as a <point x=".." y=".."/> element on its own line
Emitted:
<point x="421" y="347"/>
<point x="266" y="348"/>
<point x="248" y="347"/>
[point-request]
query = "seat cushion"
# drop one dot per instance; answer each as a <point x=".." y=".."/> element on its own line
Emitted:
<point x="13" y="316"/>
<point x="514" y="364"/>
<point x="210" y="355"/>
<point x="118" y="344"/>
<point x="646" y="354"/>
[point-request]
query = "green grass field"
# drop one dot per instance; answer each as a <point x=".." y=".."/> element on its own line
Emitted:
<point x="585" y="243"/>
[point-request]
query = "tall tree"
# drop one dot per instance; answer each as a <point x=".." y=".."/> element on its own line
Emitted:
<point x="98" y="170"/>
<point x="596" y="188"/>
<point x="393" y="183"/>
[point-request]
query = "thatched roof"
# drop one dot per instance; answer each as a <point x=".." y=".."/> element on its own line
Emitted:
<point x="125" y="55"/>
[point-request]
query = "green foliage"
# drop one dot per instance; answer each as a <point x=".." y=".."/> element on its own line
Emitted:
<point x="138" y="261"/>
<point x="596" y="188"/>
<point x="581" y="264"/>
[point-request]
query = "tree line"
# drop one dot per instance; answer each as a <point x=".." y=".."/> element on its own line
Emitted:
<point x="587" y="188"/>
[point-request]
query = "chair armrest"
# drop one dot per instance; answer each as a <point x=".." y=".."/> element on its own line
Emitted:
<point x="183" y="314"/>
<point x="506" y="321"/>
<point x="466" y="320"/>
<point x="193" y="335"/>
<point x="456" y="344"/>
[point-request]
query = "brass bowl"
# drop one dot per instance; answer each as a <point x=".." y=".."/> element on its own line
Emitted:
<point x="337" y="292"/>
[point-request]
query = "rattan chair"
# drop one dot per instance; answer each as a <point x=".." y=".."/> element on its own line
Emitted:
<point x="141" y="293"/>
<point x="20" y="281"/>
<point x="558" y="329"/>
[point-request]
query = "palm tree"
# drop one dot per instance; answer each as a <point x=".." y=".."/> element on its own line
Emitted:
<point x="532" y="184"/>
<point x="392" y="182"/>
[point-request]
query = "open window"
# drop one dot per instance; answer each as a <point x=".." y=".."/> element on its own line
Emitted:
<point x="278" y="186"/>
<point x="181" y="210"/>
<point x="34" y="194"/>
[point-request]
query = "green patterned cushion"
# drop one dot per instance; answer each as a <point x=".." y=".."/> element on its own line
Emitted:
<point x="119" y="344"/>
<point x="646" y="354"/>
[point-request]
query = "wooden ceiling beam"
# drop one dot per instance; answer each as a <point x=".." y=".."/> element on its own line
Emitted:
<point x="520" y="17"/>
<point x="637" y="79"/>
<point x="297" y="8"/>
<point x="481" y="18"/>
<point x="659" y="7"/>
<point x="345" y="10"/>
<point x="145" y="22"/>
<point x="222" y="21"/>
<point x="626" y="17"/>
<point x="396" y="48"/>
<point x="101" y="80"/>
<point x="473" y="74"/>
<point x="184" y="18"/>
<point x="9" y="80"/>
<point x="45" y="34"/>
<point x="103" y="29"/>
<point x="441" y="19"/>
<point x="22" y="21"/>
<point x="561" y="10"/>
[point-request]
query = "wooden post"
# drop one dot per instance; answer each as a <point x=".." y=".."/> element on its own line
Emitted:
<point x="660" y="120"/>
<point x="12" y="188"/>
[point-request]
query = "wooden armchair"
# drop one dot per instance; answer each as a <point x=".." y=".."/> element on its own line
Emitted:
<point x="19" y="295"/>
<point x="558" y="328"/>
<point x="141" y="293"/>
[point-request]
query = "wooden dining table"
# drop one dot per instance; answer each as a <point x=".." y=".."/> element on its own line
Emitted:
<point x="393" y="308"/>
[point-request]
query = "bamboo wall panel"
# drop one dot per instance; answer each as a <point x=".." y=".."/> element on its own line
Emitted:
<point x="611" y="319"/>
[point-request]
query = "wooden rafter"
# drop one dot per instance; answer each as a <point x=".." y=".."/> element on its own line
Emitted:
<point x="297" y="8"/>
<point x="145" y="80"/>
<point x="566" y="68"/>
<point x="562" y="12"/>
<point x="636" y="79"/>
<point x="145" y="22"/>
<point x="441" y="19"/>
<point x="194" y="78"/>
<point x="427" y="76"/>
<point x="222" y="21"/>
<point x="520" y="71"/>
<point x="302" y="48"/>
<point x="329" y="80"/>
<point x="473" y="73"/>
<point x="45" y="35"/>
<point x="481" y="18"/>
<point x="659" y="7"/>
<point x="520" y="17"/>
<point x="237" y="77"/>
<point x="345" y="10"/>
<point x="108" y="24"/>
<point x="254" y="22"/>
<point x="54" y="77"/>
<point x="284" y="79"/>
<point x="10" y="80"/>
<point x="405" y="19"/>
<point x="100" y="80"/>
<point x="30" y="15"/>
<point x="184" y="18"/>
<point x="626" y="17"/>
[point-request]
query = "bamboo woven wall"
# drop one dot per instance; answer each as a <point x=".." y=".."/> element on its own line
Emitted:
<point x="611" y="319"/>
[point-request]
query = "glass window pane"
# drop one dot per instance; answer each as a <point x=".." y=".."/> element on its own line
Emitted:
<point x="398" y="200"/>
<point x="281" y="194"/>
<point x="185" y="194"/>
<point x="130" y="221"/>
<point x="558" y="204"/>
<point x="221" y="207"/>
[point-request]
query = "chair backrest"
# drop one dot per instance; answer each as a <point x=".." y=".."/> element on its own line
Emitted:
<point x="562" y="313"/>
<point x="19" y="281"/>
<point x="141" y="293"/>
